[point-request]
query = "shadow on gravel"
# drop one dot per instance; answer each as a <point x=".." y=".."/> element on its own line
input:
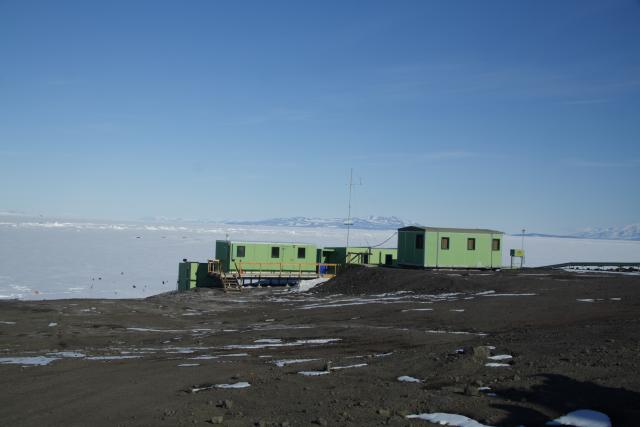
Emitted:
<point x="559" y="395"/>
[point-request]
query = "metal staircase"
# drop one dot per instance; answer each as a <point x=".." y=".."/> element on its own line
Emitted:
<point x="230" y="283"/>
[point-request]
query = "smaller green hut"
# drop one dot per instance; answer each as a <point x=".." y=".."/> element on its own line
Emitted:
<point x="359" y="255"/>
<point x="193" y="275"/>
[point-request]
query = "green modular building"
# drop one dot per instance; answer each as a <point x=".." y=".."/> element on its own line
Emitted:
<point x="433" y="247"/>
<point x="193" y="275"/>
<point x="266" y="256"/>
<point x="359" y="255"/>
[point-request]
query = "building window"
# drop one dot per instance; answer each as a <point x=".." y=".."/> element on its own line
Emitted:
<point x="302" y="253"/>
<point x="495" y="245"/>
<point x="240" y="251"/>
<point x="420" y="241"/>
<point x="471" y="244"/>
<point x="444" y="243"/>
<point x="275" y="252"/>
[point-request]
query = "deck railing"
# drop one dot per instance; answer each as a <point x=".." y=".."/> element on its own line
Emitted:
<point x="280" y="269"/>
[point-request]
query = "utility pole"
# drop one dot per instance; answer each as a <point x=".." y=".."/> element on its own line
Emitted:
<point x="351" y="184"/>
<point x="522" y="247"/>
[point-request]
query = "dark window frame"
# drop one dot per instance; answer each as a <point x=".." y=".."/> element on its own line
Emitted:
<point x="471" y="243"/>
<point x="275" y="251"/>
<point x="442" y="243"/>
<point x="241" y="251"/>
<point x="302" y="251"/>
<point x="419" y="241"/>
<point x="494" y="246"/>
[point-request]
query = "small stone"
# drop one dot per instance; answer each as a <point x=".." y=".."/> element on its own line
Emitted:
<point x="471" y="390"/>
<point x="218" y="419"/>
<point x="226" y="404"/>
<point x="481" y="352"/>
<point x="285" y="424"/>
<point x="384" y="412"/>
<point x="320" y="422"/>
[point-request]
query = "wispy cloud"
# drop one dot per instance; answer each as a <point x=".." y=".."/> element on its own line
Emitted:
<point x="582" y="163"/>
<point x="425" y="156"/>
<point x="587" y="101"/>
<point x="271" y="115"/>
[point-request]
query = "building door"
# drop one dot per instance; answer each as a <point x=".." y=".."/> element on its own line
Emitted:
<point x="388" y="259"/>
<point x="365" y="258"/>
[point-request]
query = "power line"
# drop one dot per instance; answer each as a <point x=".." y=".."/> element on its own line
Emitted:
<point x="388" y="238"/>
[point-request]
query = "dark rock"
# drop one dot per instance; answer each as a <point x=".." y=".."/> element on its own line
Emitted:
<point x="384" y="412"/>
<point x="471" y="390"/>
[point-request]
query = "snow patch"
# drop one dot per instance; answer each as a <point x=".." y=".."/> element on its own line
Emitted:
<point x="27" y="361"/>
<point x="113" y="357"/>
<point x="445" y="419"/>
<point x="283" y="362"/>
<point x="501" y="357"/>
<point x="305" y="285"/>
<point x="313" y="373"/>
<point x="358" y="365"/>
<point x="408" y="379"/>
<point x="582" y="418"/>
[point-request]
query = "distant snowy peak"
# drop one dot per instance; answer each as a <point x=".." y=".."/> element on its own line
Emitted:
<point x="368" y="223"/>
<point x="627" y="232"/>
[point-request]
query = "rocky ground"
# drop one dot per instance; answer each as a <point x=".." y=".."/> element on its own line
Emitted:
<point x="503" y="348"/>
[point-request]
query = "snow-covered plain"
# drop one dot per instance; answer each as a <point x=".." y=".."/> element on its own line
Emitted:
<point x="46" y="259"/>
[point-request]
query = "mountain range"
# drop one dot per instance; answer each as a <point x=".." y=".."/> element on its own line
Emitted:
<point x="627" y="232"/>
<point x="368" y="223"/>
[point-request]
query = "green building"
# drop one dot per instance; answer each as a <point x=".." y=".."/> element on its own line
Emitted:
<point x="193" y="275"/>
<point x="359" y="255"/>
<point x="433" y="247"/>
<point x="266" y="256"/>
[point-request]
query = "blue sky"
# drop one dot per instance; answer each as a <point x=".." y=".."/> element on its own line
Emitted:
<point x="497" y="114"/>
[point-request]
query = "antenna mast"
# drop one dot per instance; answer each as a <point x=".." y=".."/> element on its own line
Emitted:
<point x="351" y="185"/>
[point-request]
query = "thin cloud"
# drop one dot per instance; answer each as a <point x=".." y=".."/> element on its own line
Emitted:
<point x="582" y="163"/>
<point x="587" y="101"/>
<point x="273" y="115"/>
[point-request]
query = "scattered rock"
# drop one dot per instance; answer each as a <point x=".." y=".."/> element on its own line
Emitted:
<point x="471" y="390"/>
<point x="218" y="419"/>
<point x="320" y="422"/>
<point x="481" y="352"/>
<point x="226" y="404"/>
<point x="384" y="412"/>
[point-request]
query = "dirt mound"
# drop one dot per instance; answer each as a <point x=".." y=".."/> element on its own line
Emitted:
<point x="373" y="280"/>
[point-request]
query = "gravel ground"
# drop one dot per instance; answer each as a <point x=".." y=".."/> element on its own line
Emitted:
<point x="573" y="339"/>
